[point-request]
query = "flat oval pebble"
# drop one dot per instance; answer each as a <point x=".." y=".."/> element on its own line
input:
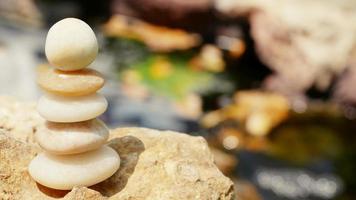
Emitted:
<point x="71" y="109"/>
<point x="65" y="172"/>
<point x="72" y="138"/>
<point x="72" y="83"/>
<point x="71" y="45"/>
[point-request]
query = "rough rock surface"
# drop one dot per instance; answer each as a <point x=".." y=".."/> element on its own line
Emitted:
<point x="155" y="164"/>
<point x="19" y="119"/>
<point x="307" y="43"/>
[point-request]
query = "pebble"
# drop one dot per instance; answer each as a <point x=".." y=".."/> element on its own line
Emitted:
<point x="71" y="109"/>
<point x="65" y="172"/>
<point x="72" y="83"/>
<point x="71" y="45"/>
<point x="72" y="138"/>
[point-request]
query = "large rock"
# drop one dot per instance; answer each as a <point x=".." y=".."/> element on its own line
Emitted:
<point x="155" y="164"/>
<point x="307" y="43"/>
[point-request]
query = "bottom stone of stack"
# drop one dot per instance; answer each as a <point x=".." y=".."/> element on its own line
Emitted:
<point x="63" y="172"/>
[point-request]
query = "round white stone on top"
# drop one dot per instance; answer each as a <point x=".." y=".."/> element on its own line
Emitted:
<point x="71" y="45"/>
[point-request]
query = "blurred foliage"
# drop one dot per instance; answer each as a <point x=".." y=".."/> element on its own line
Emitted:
<point x="170" y="74"/>
<point x="126" y="51"/>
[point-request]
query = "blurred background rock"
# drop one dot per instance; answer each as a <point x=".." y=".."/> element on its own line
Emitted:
<point x="270" y="85"/>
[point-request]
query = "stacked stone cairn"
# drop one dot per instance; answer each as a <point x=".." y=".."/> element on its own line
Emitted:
<point x="73" y="139"/>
